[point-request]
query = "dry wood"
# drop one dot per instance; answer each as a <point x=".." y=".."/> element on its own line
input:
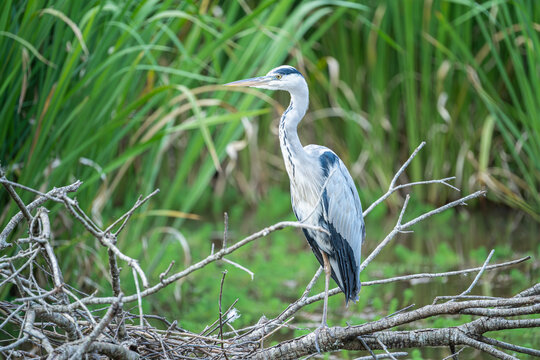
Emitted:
<point x="58" y="321"/>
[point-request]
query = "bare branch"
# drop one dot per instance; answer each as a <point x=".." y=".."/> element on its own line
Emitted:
<point x="220" y="312"/>
<point x="387" y="239"/>
<point x="124" y="218"/>
<point x="337" y="338"/>
<point x="34" y="204"/>
<point x="209" y="259"/>
<point x="85" y="332"/>
<point x="383" y="356"/>
<point x="105" y="321"/>
<point x="251" y="274"/>
<point x="469" y="289"/>
<point x="17" y="199"/>
<point x="304" y="300"/>
<point x="512" y="347"/>
<point x="439" y="210"/>
<point x="139" y="298"/>
<point x="404" y="166"/>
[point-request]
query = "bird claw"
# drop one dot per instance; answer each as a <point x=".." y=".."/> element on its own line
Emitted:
<point x="323" y="327"/>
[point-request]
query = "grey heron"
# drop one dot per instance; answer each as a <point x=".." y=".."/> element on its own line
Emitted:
<point x="322" y="190"/>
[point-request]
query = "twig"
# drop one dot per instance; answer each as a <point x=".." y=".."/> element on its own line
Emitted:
<point x="477" y="276"/>
<point x="440" y="209"/>
<point x="117" y="290"/>
<point x="14" y="313"/>
<point x="464" y="339"/>
<point x="388" y="237"/>
<point x="124" y="218"/>
<point x="443" y="274"/>
<point x="164" y="274"/>
<point x="225" y="230"/>
<point x="20" y="269"/>
<point x="525" y="310"/>
<point x="73" y="207"/>
<point x="209" y="259"/>
<point x="239" y="266"/>
<point x="82" y="305"/>
<point x="508" y="346"/>
<point x="366" y="346"/>
<point x="404" y="166"/>
<point x="391" y="188"/>
<point x="220" y="312"/>
<point x="105" y="321"/>
<point x="312" y="282"/>
<point x="384" y="348"/>
<point x="400" y="311"/>
<point x="383" y="356"/>
<point x="139" y="298"/>
<point x="454" y="354"/>
<point x="3" y="180"/>
<point x="400" y="227"/>
<point x="44" y="238"/>
<point x="17" y="199"/>
<point x="304" y="301"/>
<point x="134" y="264"/>
<point x="34" y="204"/>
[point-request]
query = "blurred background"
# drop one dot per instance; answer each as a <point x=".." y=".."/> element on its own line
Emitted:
<point x="126" y="96"/>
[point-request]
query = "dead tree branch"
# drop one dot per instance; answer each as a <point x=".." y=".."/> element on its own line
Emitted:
<point x="55" y="320"/>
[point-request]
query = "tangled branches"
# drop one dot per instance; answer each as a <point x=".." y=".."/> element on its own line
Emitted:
<point x="46" y="317"/>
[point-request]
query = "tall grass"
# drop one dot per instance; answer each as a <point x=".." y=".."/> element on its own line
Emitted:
<point x="461" y="75"/>
<point x="123" y="95"/>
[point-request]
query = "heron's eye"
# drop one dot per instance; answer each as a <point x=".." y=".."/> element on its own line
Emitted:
<point x="278" y="77"/>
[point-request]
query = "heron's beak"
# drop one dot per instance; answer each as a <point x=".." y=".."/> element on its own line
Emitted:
<point x="257" y="81"/>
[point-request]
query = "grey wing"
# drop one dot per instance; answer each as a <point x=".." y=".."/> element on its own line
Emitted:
<point x="343" y="209"/>
<point x="342" y="216"/>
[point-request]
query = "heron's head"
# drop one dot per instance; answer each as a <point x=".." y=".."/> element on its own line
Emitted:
<point x="284" y="77"/>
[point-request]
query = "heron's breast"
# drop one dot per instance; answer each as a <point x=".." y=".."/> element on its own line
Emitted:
<point x="306" y="196"/>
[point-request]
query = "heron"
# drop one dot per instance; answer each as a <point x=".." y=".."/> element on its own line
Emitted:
<point x="323" y="193"/>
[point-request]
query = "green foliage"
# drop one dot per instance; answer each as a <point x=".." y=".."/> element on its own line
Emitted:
<point x="445" y="257"/>
<point x="416" y="354"/>
<point x="460" y="75"/>
<point x="411" y="257"/>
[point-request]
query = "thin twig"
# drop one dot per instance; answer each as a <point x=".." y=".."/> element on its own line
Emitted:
<point x="383" y="356"/>
<point x="391" y="187"/>
<point x="469" y="289"/>
<point x="251" y="274"/>
<point x="454" y="355"/>
<point x="304" y="301"/>
<point x="388" y="237"/>
<point x="34" y="204"/>
<point x="105" y="321"/>
<point x="384" y="348"/>
<point x="225" y="230"/>
<point x="209" y="259"/>
<point x="17" y="199"/>
<point x="509" y="346"/>
<point x="124" y="218"/>
<point x="440" y="209"/>
<point x="220" y="312"/>
<point x="139" y="298"/>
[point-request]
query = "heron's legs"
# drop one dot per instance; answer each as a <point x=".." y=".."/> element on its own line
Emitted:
<point x="328" y="272"/>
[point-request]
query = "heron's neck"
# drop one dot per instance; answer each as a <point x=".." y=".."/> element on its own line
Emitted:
<point x="293" y="152"/>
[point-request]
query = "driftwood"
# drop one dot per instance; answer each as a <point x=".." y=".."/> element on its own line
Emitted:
<point x="55" y="321"/>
